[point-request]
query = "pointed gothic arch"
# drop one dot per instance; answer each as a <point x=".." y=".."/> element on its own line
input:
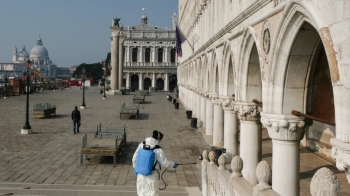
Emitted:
<point x="249" y="74"/>
<point x="228" y="71"/>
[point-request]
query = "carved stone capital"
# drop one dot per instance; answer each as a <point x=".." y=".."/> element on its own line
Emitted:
<point x="215" y="98"/>
<point x="226" y="103"/>
<point x="206" y="93"/>
<point x="285" y="127"/>
<point x="199" y="91"/>
<point x="341" y="153"/>
<point x="246" y="111"/>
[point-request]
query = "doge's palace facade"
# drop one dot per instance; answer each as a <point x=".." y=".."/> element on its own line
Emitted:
<point x="280" y="65"/>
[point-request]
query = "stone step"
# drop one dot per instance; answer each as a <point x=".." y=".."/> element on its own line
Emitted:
<point x="86" y="190"/>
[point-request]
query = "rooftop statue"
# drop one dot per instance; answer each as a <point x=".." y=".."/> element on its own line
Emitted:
<point x="116" y="22"/>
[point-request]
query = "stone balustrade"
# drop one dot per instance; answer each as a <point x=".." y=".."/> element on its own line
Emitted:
<point x="223" y="181"/>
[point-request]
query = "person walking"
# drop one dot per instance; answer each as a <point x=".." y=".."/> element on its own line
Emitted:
<point x="148" y="185"/>
<point x="76" y="120"/>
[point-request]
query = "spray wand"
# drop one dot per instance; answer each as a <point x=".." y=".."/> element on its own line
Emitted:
<point x="186" y="163"/>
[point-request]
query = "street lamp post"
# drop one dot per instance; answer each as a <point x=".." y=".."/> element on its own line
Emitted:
<point x="34" y="91"/>
<point x="83" y="106"/>
<point x="6" y="81"/>
<point x="104" y="87"/>
<point x="27" y="129"/>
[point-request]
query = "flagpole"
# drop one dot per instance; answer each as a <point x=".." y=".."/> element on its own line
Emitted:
<point x="186" y="39"/>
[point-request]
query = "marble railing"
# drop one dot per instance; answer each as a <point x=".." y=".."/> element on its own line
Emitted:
<point x="220" y="181"/>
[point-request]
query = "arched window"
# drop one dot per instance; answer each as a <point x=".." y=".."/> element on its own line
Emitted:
<point x="134" y="54"/>
<point x="148" y="55"/>
<point x="172" y="55"/>
<point x="160" y="55"/>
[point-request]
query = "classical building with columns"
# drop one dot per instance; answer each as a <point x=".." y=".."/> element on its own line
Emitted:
<point x="276" y="65"/>
<point x="148" y="57"/>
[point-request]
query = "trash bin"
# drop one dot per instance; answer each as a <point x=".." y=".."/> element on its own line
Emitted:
<point x="170" y="98"/>
<point x="174" y="101"/>
<point x="193" y="122"/>
<point x="189" y="114"/>
<point x="176" y="105"/>
<point x="218" y="151"/>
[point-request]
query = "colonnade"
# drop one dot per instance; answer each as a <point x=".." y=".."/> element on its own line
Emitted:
<point x="152" y="76"/>
<point x="166" y="53"/>
<point x="223" y="119"/>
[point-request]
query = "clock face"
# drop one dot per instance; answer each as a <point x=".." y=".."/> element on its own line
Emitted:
<point x="266" y="40"/>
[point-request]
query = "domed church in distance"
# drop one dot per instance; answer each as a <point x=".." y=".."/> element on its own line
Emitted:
<point x="39" y="57"/>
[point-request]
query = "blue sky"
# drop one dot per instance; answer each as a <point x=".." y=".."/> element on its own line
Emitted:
<point x="73" y="31"/>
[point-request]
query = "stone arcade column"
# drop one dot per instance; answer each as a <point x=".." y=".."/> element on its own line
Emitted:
<point x="193" y="101"/>
<point x="121" y="61"/>
<point x="156" y="54"/>
<point x="115" y="58"/>
<point x="166" y="82"/>
<point x="201" y="122"/>
<point x="286" y="131"/>
<point x="141" y="81"/>
<point x="209" y="115"/>
<point x="250" y="141"/>
<point x="127" y="54"/>
<point x="153" y="80"/>
<point x="165" y="59"/>
<point x="198" y="104"/>
<point x="127" y="85"/>
<point x="230" y="128"/>
<point x="218" y="122"/>
<point x="130" y="55"/>
<point x="184" y="94"/>
<point x="141" y="53"/>
<point x="189" y="95"/>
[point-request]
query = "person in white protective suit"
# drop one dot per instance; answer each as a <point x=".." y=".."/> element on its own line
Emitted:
<point x="149" y="185"/>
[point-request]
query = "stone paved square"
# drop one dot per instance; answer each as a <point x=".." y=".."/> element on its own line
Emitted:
<point x="51" y="154"/>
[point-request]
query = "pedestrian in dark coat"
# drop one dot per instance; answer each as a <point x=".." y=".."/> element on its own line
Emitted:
<point x="76" y="120"/>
